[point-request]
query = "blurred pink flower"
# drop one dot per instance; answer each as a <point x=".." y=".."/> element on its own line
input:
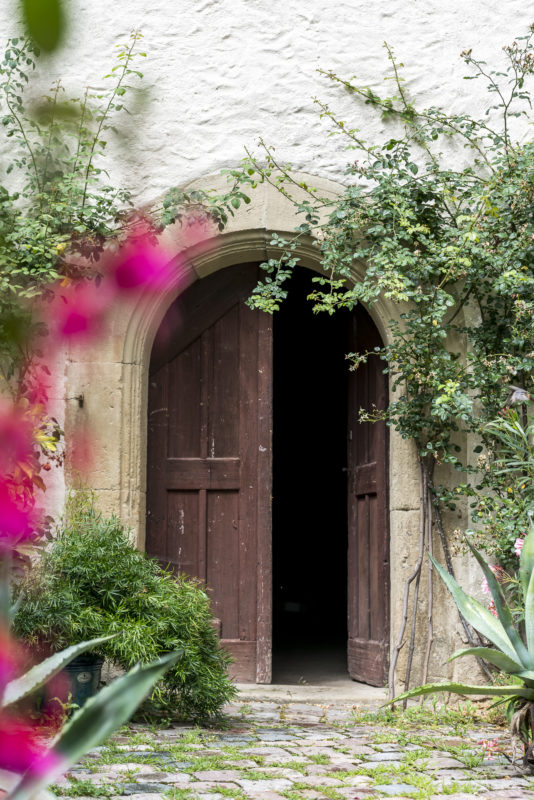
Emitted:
<point x="21" y="749"/>
<point x="77" y="311"/>
<point x="490" y="746"/>
<point x="16" y="523"/>
<point x="8" y="660"/>
<point x="498" y="572"/>
<point x="518" y="546"/>
<point x="140" y="262"/>
<point x="15" y="437"/>
<point x="493" y="609"/>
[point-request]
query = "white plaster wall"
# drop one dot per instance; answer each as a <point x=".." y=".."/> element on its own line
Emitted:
<point x="221" y="73"/>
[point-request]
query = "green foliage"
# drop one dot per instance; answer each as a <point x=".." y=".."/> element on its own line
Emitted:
<point x="67" y="210"/>
<point x="438" y="218"/>
<point x="503" y="500"/>
<point x="513" y="649"/>
<point x="454" y="247"/>
<point x="45" y="22"/>
<point x="93" y="582"/>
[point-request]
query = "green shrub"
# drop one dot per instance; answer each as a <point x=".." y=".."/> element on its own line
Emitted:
<point x="92" y="582"/>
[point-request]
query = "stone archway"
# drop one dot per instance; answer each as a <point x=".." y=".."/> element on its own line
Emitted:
<point x="115" y="379"/>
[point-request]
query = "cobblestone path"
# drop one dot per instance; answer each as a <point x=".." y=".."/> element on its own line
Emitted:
<point x="266" y="751"/>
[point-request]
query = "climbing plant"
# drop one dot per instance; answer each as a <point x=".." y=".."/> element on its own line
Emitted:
<point x="450" y="239"/>
<point x="59" y="208"/>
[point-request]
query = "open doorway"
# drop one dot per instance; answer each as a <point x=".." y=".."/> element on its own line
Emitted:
<point x="310" y="379"/>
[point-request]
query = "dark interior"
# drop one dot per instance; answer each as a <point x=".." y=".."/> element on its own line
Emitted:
<point x="309" y="489"/>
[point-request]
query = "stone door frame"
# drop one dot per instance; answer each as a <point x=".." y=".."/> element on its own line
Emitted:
<point x="114" y="376"/>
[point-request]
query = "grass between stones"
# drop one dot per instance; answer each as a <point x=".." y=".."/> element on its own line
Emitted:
<point x="415" y="741"/>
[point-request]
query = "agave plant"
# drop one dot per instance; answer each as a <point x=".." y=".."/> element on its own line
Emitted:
<point x="88" y="726"/>
<point x="512" y="651"/>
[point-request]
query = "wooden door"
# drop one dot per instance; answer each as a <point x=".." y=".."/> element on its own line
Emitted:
<point x="209" y="458"/>
<point x="368" y="546"/>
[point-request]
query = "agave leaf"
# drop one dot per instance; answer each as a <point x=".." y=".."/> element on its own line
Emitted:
<point x="503" y="611"/>
<point x="529" y="614"/>
<point x="41" y="673"/>
<point x="464" y="688"/>
<point x="95" y="721"/>
<point x="477" y="615"/>
<point x="494" y="657"/>
<point x="526" y="561"/>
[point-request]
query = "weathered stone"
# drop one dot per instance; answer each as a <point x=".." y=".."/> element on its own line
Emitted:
<point x="220" y="775"/>
<point x="272" y="784"/>
<point x="129" y="789"/>
<point x="320" y="780"/>
<point x="443" y="762"/>
<point x="392" y="755"/>
<point x="395" y="788"/>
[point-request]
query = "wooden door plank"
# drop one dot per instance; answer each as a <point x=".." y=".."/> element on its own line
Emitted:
<point x="215" y="479"/>
<point x="264" y="501"/>
<point x="368" y="570"/>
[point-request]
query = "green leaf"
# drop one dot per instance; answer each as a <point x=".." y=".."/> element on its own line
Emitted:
<point x="41" y="673"/>
<point x="96" y="720"/>
<point x="503" y="611"/>
<point x="464" y="688"/>
<point x="526" y="561"/>
<point x="45" y="22"/>
<point x="529" y="613"/>
<point x="476" y="614"/>
<point x="493" y="656"/>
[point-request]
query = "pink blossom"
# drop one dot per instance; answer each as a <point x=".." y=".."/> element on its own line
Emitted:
<point x="140" y="262"/>
<point x="492" y="609"/>
<point x="8" y="661"/>
<point x="490" y="746"/>
<point x="15" y="437"/>
<point x="21" y="749"/>
<point x="498" y="572"/>
<point x="16" y="522"/>
<point x="77" y="311"/>
<point x="518" y="546"/>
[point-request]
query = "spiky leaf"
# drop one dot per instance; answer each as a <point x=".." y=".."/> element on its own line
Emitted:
<point x="493" y="656"/>
<point x="529" y="614"/>
<point x="41" y="673"/>
<point x="464" y="688"/>
<point x="96" y="720"/>
<point x="526" y="561"/>
<point x="477" y="615"/>
<point x="503" y="612"/>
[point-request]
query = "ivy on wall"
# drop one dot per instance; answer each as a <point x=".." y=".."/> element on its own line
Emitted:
<point x="453" y="246"/>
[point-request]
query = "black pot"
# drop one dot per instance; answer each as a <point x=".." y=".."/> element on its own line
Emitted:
<point x="84" y="675"/>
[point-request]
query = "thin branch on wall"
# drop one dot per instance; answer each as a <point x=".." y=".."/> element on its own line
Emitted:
<point x="448" y="562"/>
<point x="415" y="606"/>
<point x="430" y="629"/>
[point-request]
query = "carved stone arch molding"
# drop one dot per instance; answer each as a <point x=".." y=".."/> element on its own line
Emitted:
<point x="113" y="377"/>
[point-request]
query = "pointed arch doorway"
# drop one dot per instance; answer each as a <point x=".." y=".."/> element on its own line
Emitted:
<point x="262" y="483"/>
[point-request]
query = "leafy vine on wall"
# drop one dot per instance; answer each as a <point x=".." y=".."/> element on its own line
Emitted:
<point x="453" y="246"/>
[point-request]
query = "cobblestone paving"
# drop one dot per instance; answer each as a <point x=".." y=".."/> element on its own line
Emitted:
<point x="265" y="751"/>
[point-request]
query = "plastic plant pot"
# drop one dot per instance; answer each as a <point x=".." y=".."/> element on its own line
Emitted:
<point x="84" y="676"/>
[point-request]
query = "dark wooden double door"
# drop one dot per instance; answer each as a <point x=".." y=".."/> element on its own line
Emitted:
<point x="209" y="477"/>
